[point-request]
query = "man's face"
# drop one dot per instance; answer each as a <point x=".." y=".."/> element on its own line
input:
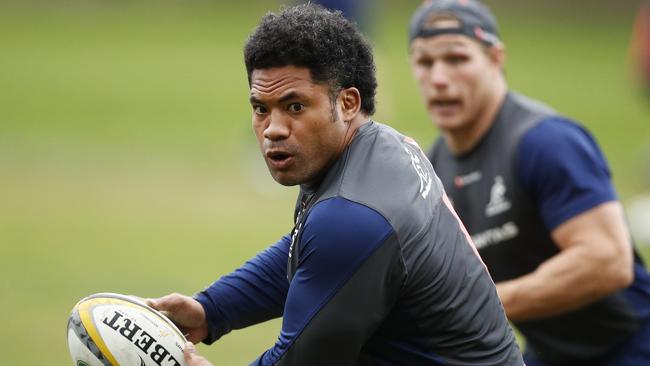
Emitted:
<point x="293" y="119"/>
<point x="456" y="78"/>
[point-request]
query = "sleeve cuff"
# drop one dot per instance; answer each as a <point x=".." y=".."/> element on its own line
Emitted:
<point x="217" y="324"/>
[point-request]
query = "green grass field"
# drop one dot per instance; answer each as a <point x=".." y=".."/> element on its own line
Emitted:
<point x="127" y="161"/>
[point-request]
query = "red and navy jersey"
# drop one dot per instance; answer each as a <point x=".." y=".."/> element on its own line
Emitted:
<point x="377" y="271"/>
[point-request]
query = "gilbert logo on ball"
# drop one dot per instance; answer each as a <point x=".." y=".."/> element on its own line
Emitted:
<point x="108" y="329"/>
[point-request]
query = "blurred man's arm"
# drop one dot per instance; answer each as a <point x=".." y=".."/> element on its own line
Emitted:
<point x="595" y="260"/>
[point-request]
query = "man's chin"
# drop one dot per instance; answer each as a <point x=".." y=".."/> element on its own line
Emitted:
<point x="446" y="124"/>
<point x="284" y="179"/>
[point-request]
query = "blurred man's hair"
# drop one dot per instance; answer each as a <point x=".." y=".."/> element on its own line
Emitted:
<point x="329" y="45"/>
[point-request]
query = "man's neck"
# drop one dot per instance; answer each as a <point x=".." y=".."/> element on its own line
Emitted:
<point x="352" y="128"/>
<point x="354" y="125"/>
<point x="463" y="140"/>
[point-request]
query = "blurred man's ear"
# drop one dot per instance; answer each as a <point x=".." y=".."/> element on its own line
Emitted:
<point x="497" y="54"/>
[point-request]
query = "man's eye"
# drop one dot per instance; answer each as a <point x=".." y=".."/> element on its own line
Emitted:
<point x="295" y="107"/>
<point x="259" y="109"/>
<point x="456" y="59"/>
<point x="424" y="62"/>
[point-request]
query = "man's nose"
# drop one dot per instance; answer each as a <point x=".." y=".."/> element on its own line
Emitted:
<point x="439" y="76"/>
<point x="278" y="127"/>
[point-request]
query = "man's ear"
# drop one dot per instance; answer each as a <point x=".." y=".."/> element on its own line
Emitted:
<point x="349" y="102"/>
<point x="497" y="54"/>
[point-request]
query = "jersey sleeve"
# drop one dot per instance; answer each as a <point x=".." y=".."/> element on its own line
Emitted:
<point x="251" y="294"/>
<point x="562" y="168"/>
<point x="346" y="281"/>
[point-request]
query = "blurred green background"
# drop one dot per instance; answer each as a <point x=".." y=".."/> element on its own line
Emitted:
<point x="128" y="164"/>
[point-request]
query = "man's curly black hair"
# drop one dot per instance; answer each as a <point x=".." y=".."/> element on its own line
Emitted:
<point x="325" y="42"/>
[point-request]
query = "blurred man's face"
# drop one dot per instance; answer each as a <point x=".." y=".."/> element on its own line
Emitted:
<point x="456" y="76"/>
<point x="299" y="132"/>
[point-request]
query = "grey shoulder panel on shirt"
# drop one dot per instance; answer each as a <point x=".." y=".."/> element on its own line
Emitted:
<point x="389" y="173"/>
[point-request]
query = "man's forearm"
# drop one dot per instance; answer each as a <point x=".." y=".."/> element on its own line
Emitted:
<point x="574" y="278"/>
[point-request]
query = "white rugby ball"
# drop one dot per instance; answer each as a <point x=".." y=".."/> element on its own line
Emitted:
<point x="108" y="329"/>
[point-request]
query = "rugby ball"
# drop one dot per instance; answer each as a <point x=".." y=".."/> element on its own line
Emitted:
<point x="108" y="329"/>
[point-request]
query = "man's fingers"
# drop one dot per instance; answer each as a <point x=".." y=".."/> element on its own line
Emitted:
<point x="185" y="312"/>
<point x="169" y="306"/>
<point x="192" y="357"/>
<point x="189" y="351"/>
<point x="153" y="303"/>
<point x="171" y="302"/>
<point x="194" y="336"/>
<point x="179" y="308"/>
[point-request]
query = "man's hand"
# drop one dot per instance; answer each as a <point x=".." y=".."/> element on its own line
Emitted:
<point x="192" y="357"/>
<point x="186" y="313"/>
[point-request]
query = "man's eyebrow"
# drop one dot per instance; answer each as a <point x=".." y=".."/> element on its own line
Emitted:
<point x="457" y="45"/>
<point x="289" y="96"/>
<point x="444" y="50"/>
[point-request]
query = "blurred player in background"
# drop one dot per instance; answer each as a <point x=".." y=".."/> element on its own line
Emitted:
<point x="640" y="46"/>
<point x="378" y="269"/>
<point x="356" y="10"/>
<point x="351" y="9"/>
<point x="638" y="207"/>
<point x="534" y="191"/>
